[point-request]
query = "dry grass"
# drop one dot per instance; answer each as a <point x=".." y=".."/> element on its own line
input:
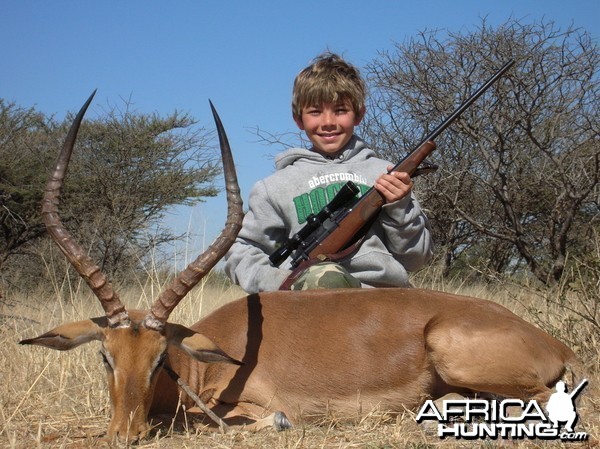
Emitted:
<point x="59" y="400"/>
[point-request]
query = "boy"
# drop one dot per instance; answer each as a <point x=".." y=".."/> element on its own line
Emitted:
<point x="328" y="102"/>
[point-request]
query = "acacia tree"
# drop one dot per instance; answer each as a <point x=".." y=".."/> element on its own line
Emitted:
<point x="24" y="134"/>
<point x="127" y="170"/>
<point x="519" y="172"/>
<point x="131" y="168"/>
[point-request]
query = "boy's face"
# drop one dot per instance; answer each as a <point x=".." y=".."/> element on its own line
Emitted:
<point x="329" y="126"/>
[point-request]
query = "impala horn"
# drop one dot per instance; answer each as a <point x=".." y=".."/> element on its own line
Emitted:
<point x="115" y="311"/>
<point x="195" y="271"/>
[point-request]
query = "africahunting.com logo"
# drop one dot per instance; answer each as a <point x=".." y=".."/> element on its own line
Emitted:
<point x="507" y="419"/>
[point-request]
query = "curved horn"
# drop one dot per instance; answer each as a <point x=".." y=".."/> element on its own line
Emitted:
<point x="115" y="311"/>
<point x="195" y="271"/>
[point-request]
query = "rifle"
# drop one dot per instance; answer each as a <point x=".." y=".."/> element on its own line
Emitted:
<point x="575" y="392"/>
<point x="339" y="226"/>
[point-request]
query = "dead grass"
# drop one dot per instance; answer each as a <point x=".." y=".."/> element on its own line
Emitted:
<point x="50" y="399"/>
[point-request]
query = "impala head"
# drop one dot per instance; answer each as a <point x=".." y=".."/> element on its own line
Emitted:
<point x="134" y="343"/>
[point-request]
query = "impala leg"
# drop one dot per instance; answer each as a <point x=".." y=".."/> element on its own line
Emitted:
<point x="509" y="363"/>
<point x="247" y="417"/>
<point x="277" y="421"/>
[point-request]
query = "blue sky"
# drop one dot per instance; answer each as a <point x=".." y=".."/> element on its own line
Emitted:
<point x="243" y="55"/>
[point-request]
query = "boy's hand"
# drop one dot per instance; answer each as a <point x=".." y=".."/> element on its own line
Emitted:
<point x="394" y="185"/>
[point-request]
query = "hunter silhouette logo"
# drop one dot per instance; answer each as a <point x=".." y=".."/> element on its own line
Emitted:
<point x="561" y="407"/>
<point x="507" y="419"/>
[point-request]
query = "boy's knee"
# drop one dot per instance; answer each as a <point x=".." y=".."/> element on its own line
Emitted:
<point x="325" y="275"/>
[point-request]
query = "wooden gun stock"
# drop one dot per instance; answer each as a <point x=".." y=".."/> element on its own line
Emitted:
<point x="362" y="214"/>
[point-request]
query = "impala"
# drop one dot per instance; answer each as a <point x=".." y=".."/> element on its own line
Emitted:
<point x="296" y="354"/>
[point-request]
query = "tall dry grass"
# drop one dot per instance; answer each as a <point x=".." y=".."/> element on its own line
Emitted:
<point x="50" y="399"/>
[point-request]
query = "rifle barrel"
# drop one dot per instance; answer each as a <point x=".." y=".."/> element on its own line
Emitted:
<point x="578" y="388"/>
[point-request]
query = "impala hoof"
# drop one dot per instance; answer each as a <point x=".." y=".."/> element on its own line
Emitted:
<point x="280" y="422"/>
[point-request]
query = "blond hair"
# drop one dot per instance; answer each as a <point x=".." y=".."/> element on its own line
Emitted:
<point x="328" y="79"/>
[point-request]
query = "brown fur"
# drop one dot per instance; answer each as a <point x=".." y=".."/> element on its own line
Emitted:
<point x="306" y="353"/>
<point x="303" y="352"/>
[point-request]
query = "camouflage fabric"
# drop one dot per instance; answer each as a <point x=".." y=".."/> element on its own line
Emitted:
<point x="325" y="275"/>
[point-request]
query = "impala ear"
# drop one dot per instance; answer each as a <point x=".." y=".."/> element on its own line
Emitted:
<point x="70" y="335"/>
<point x="197" y="345"/>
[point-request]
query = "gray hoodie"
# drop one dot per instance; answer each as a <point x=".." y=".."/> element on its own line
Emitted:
<point x="304" y="182"/>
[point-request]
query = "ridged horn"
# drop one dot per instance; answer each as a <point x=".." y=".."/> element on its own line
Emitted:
<point x="115" y="311"/>
<point x="195" y="271"/>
